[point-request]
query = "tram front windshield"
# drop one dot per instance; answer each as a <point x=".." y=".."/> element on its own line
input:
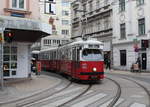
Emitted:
<point x="92" y="55"/>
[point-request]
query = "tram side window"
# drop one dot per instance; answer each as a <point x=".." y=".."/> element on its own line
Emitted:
<point x="74" y="54"/>
<point x="54" y="55"/>
<point x="78" y="54"/>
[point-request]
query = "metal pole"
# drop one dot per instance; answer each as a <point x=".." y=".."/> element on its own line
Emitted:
<point x="1" y="60"/>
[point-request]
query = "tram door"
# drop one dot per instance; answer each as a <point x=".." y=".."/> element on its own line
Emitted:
<point x="144" y="61"/>
<point x="74" y="55"/>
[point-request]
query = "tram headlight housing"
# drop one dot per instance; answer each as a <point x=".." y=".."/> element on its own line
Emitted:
<point x="94" y="69"/>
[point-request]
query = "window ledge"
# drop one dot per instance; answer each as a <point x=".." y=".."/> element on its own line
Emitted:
<point x="141" y="35"/>
<point x="122" y="39"/>
<point x="17" y="11"/>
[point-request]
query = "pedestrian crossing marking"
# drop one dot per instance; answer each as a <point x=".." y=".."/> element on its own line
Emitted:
<point x="138" y="105"/>
<point x="108" y="102"/>
<point x="89" y="100"/>
<point x="59" y="102"/>
<point x="59" y="94"/>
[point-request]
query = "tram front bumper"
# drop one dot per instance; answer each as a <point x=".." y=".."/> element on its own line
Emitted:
<point x="91" y="73"/>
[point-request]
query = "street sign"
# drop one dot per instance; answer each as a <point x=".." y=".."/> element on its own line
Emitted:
<point x="135" y="45"/>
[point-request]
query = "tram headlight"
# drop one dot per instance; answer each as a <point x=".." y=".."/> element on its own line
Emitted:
<point x="94" y="69"/>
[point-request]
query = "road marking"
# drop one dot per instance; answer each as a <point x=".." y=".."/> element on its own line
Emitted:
<point x="66" y="92"/>
<point x="137" y="96"/>
<point x="108" y="102"/>
<point x="89" y="100"/>
<point x="58" y="94"/>
<point x="59" y="102"/>
<point x="138" y="105"/>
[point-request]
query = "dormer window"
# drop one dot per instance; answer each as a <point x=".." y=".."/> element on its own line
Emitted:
<point x="18" y="4"/>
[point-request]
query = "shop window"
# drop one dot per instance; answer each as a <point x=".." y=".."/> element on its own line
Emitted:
<point x="10" y="60"/>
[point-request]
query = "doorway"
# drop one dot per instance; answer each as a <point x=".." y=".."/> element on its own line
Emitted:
<point x="144" y="61"/>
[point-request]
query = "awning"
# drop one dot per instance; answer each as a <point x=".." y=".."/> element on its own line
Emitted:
<point x="10" y="22"/>
<point x="25" y="30"/>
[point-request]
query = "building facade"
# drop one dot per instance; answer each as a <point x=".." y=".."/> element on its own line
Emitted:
<point x="131" y="33"/>
<point x="93" y="18"/>
<point x="19" y="19"/>
<point x="53" y="41"/>
<point x="57" y="14"/>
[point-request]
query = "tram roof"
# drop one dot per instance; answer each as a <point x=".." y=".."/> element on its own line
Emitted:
<point x="87" y="42"/>
<point x="48" y="49"/>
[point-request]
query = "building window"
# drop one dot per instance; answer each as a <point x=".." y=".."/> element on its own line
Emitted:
<point x="65" y="3"/>
<point x="65" y="22"/>
<point x="97" y="4"/>
<point x="65" y="32"/>
<point x="123" y="57"/>
<point x="141" y="26"/>
<point x="106" y="24"/>
<point x="139" y="2"/>
<point x="18" y="4"/>
<point x="122" y="5"/>
<point x="122" y="31"/>
<point x="50" y="8"/>
<point x="65" y="13"/>
<point x="84" y="8"/>
<point x="90" y="6"/>
<point x="105" y="2"/>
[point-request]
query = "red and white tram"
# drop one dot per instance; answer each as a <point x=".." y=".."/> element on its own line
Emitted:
<point x="82" y="60"/>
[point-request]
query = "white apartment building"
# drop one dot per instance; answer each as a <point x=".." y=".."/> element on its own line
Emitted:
<point x="56" y="13"/>
<point x="131" y="24"/>
<point x="93" y="18"/>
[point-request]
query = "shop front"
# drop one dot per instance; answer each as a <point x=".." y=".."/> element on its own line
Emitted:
<point x="17" y="52"/>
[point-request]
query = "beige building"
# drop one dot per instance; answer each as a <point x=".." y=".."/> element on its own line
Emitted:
<point x="20" y="26"/>
<point x="93" y="18"/>
<point x="56" y="13"/>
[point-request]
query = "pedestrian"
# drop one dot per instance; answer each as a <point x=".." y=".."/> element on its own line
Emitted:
<point x="108" y="64"/>
<point x="139" y="63"/>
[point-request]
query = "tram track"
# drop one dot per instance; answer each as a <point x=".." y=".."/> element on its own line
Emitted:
<point x="142" y="86"/>
<point x="146" y="90"/>
<point x="44" y="101"/>
<point x="118" y="94"/>
<point x="76" y="97"/>
<point x="38" y="96"/>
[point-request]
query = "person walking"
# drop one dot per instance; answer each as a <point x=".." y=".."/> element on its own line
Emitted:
<point x="139" y="63"/>
<point x="108" y="64"/>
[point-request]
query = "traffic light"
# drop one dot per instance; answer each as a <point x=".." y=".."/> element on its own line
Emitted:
<point x="1" y="38"/>
<point x="144" y="43"/>
<point x="8" y="36"/>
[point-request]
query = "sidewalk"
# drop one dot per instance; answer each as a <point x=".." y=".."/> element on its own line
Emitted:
<point x="126" y="72"/>
<point x="20" y="88"/>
